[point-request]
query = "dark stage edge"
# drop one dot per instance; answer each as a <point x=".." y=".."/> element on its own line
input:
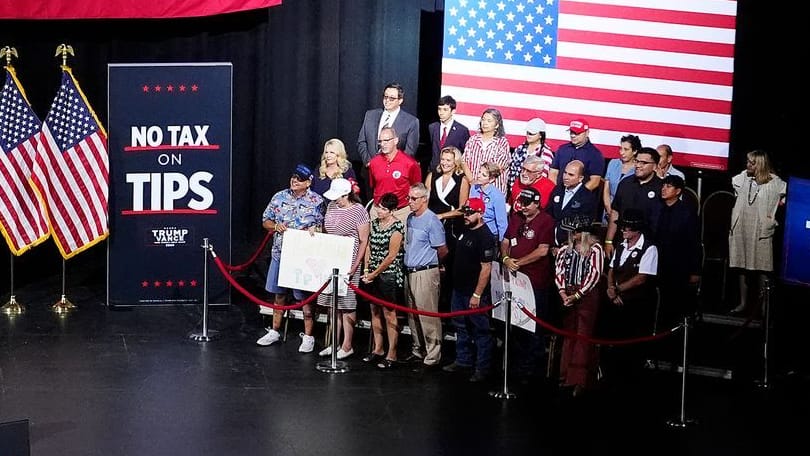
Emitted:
<point x="129" y="381"/>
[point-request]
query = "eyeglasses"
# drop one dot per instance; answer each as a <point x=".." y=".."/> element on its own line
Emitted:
<point x="527" y="170"/>
<point x="387" y="98"/>
<point x="629" y="228"/>
<point x="468" y="212"/>
<point x="643" y="162"/>
<point x="414" y="198"/>
<point x="380" y="141"/>
<point x="526" y="201"/>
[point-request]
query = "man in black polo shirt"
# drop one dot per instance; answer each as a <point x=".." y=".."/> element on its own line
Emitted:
<point x="642" y="192"/>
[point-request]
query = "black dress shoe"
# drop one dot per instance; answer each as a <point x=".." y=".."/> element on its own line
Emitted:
<point x="413" y="357"/>
<point x="372" y="358"/>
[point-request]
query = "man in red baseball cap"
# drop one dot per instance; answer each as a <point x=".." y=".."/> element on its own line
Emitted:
<point x="579" y="148"/>
<point x="476" y="249"/>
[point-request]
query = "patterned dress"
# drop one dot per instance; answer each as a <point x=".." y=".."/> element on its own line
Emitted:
<point x="753" y="222"/>
<point x="345" y="222"/>
<point x="379" y="242"/>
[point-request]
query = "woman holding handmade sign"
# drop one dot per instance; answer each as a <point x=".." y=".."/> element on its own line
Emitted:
<point x="346" y="216"/>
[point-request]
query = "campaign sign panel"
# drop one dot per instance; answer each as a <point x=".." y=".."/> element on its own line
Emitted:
<point x="796" y="245"/>
<point x="170" y="182"/>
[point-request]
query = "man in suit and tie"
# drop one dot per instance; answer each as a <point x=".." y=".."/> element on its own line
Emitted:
<point x="447" y="131"/>
<point x="390" y="115"/>
<point x="571" y="199"/>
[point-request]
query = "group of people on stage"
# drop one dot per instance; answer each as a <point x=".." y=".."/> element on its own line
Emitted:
<point x="600" y="244"/>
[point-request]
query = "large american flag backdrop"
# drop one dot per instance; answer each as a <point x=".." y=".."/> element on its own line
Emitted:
<point x="659" y="69"/>
<point x="71" y="171"/>
<point x="22" y="215"/>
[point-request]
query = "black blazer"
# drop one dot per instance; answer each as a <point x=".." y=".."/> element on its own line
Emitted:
<point x="457" y="136"/>
<point x="583" y="203"/>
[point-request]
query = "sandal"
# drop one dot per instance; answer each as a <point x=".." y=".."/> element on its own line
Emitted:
<point x="372" y="358"/>
<point x="386" y="364"/>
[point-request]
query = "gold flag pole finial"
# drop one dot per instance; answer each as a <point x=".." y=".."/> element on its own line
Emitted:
<point x="64" y="50"/>
<point x="8" y="52"/>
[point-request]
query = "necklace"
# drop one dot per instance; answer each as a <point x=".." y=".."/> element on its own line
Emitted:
<point x="750" y="185"/>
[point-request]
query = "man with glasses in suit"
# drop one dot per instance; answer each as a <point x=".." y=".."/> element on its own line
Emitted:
<point x="390" y="115"/>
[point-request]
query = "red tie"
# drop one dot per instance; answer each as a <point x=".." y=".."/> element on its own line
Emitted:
<point x="444" y="136"/>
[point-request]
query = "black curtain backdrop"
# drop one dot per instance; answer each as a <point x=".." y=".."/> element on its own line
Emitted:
<point x="306" y="71"/>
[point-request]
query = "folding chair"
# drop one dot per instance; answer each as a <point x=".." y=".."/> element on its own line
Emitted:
<point x="715" y="225"/>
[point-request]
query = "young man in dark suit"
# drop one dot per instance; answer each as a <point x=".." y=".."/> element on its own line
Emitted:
<point x="446" y="131"/>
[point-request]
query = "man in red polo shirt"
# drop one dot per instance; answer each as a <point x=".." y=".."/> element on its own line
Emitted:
<point x="531" y="176"/>
<point x="393" y="171"/>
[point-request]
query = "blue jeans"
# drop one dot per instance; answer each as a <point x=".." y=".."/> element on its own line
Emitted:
<point x="473" y="337"/>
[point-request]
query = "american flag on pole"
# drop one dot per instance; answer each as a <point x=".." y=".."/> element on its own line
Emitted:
<point x="660" y="69"/>
<point x="72" y="170"/>
<point x="22" y="215"/>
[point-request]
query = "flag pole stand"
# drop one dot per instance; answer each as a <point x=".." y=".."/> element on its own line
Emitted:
<point x="206" y="335"/>
<point x="63" y="306"/>
<point x="333" y="366"/>
<point x="504" y="392"/>
<point x="12" y="307"/>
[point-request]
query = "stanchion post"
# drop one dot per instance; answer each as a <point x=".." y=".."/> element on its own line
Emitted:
<point x="766" y="312"/>
<point x="205" y="335"/>
<point x="682" y="421"/>
<point x="12" y="307"/>
<point x="504" y="392"/>
<point x="63" y="305"/>
<point x="334" y="366"/>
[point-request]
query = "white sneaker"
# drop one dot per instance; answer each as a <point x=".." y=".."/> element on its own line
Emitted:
<point x="343" y="355"/>
<point x="326" y="351"/>
<point x="270" y="338"/>
<point x="307" y="343"/>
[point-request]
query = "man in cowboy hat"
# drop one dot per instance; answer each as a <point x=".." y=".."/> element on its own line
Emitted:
<point x="631" y="292"/>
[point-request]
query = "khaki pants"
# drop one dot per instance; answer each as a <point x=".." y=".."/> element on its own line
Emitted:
<point x="423" y="294"/>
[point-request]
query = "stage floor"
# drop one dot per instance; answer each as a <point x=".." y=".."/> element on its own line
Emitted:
<point x="130" y="381"/>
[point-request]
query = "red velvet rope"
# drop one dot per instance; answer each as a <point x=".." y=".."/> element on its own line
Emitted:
<point x="597" y="340"/>
<point x="256" y="254"/>
<point x="260" y="302"/>
<point x="457" y="313"/>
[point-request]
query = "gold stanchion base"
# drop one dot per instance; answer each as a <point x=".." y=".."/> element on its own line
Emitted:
<point x="12" y="307"/>
<point x="63" y="306"/>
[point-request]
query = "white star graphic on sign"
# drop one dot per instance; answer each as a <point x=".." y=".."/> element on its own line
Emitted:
<point x="451" y="50"/>
<point x="453" y="11"/>
<point x="519" y="27"/>
<point x="500" y="6"/>
<point x="508" y="55"/>
<point x="548" y="39"/>
<point x="470" y="52"/>
<point x="481" y="42"/>
<point x="499" y="45"/>
<point x="490" y="34"/>
<point x="500" y="25"/>
<point x="549" y="20"/>
<point x="509" y="36"/>
<point x="547" y="59"/>
<point x="452" y="30"/>
<point x="528" y="37"/>
<point x="490" y="53"/>
<point x="527" y="57"/>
